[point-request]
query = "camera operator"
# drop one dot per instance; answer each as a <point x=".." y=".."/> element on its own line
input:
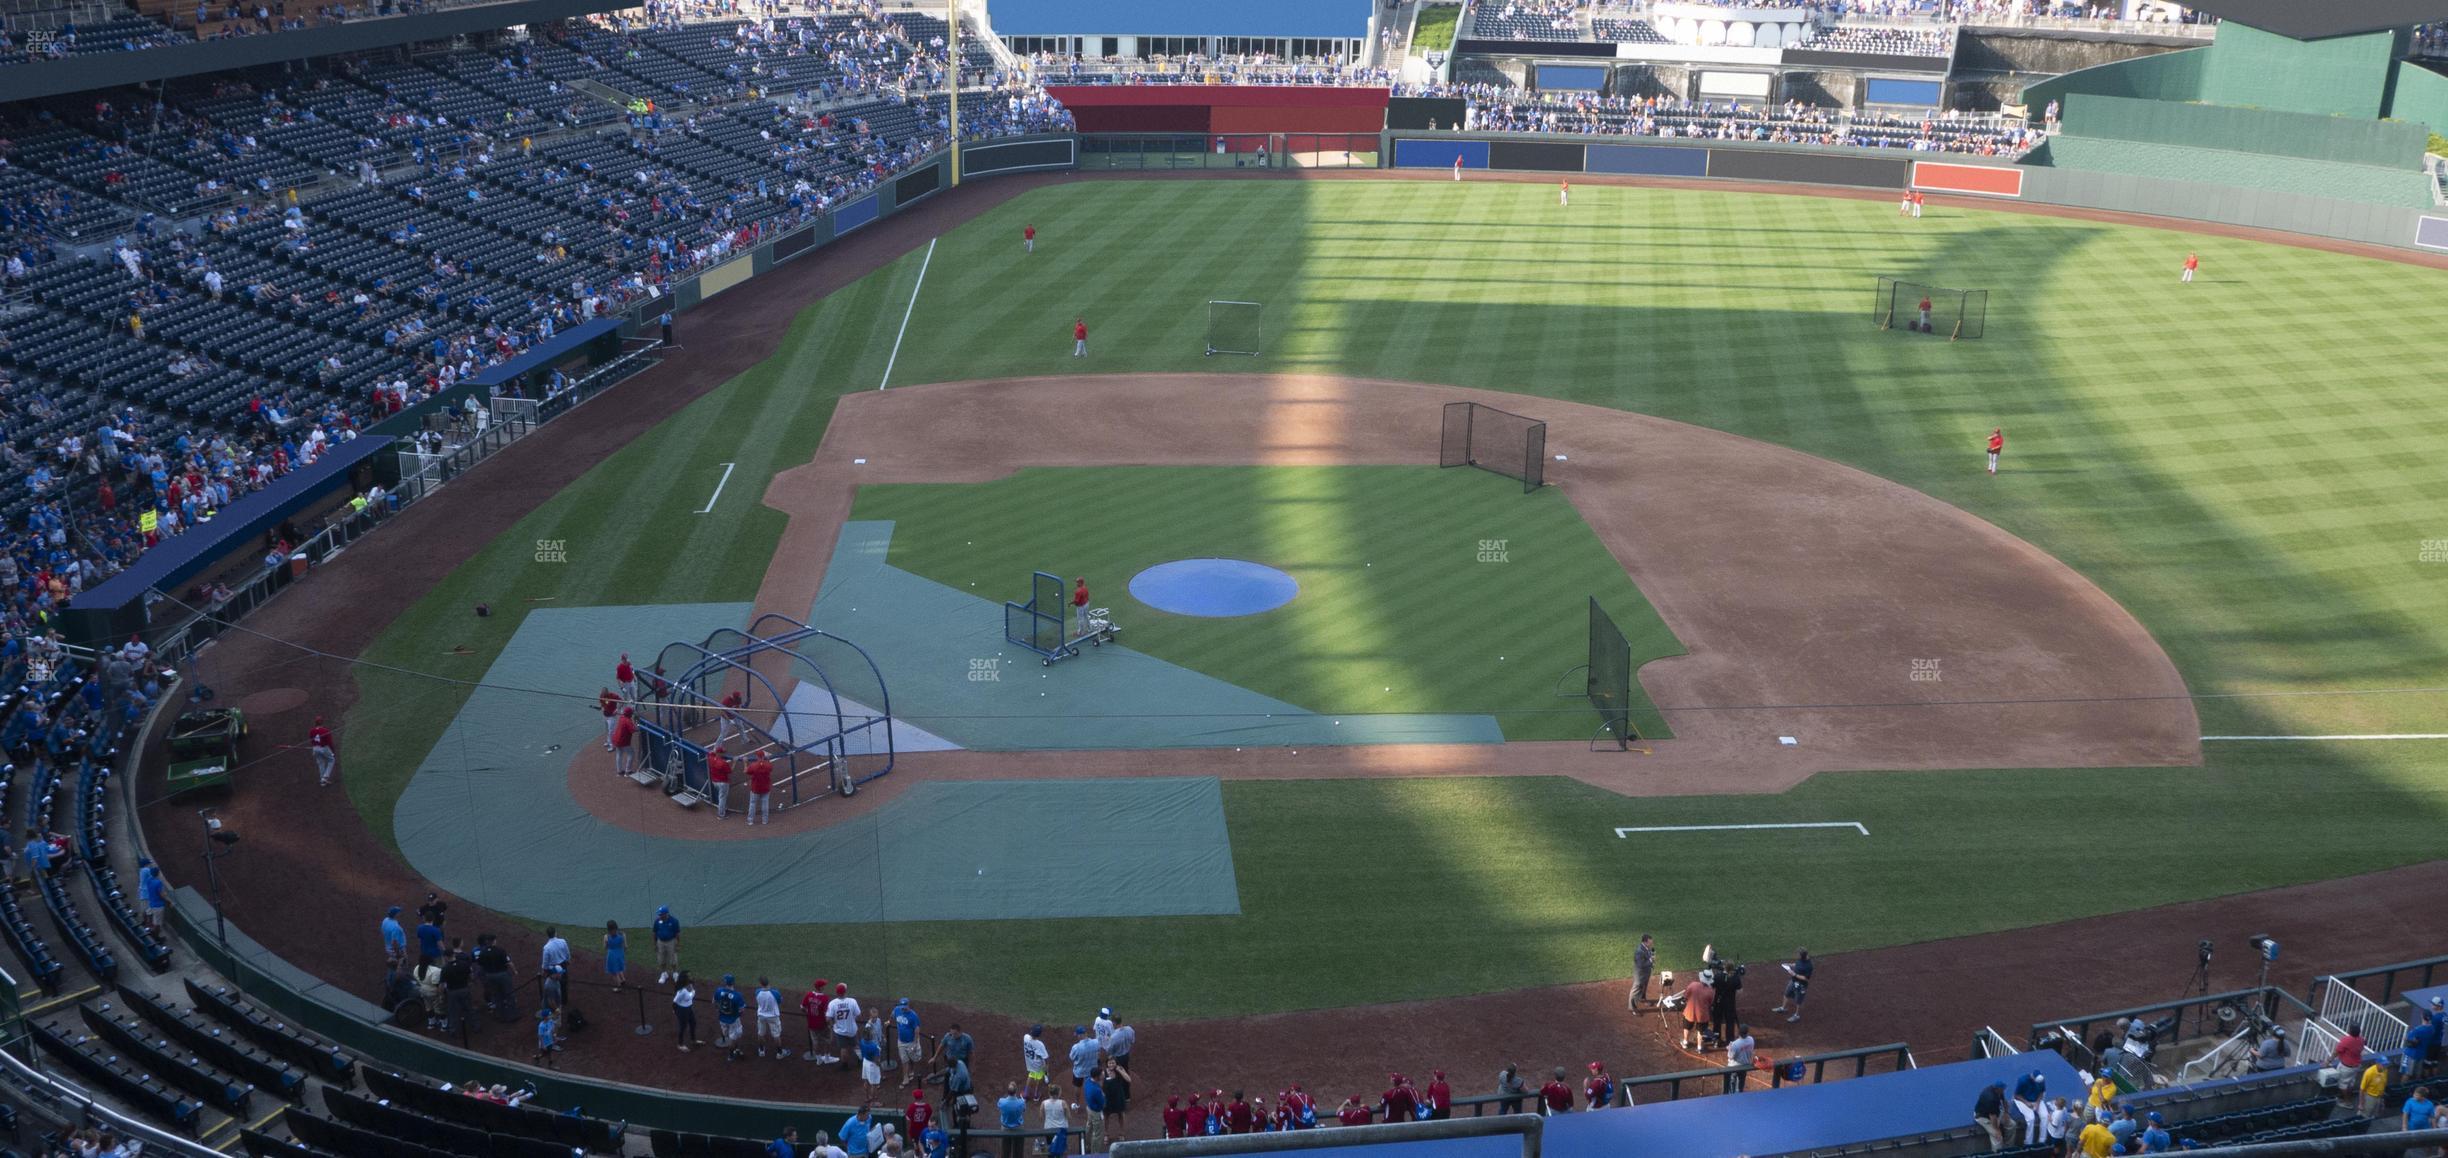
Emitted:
<point x="2271" y="1053"/>
<point x="1725" y="1011"/>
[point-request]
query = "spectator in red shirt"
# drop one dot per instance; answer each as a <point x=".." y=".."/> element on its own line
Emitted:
<point x="1079" y="337"/>
<point x="718" y="779"/>
<point x="1352" y="1113"/>
<point x="2349" y="1052"/>
<point x="918" y="1113"/>
<point x="1400" y="1101"/>
<point x="1599" y="1090"/>
<point x="1176" y="1120"/>
<point x="1555" y="1097"/>
<point x="1440" y="1097"/>
<point x="814" y="1006"/>
<point x="624" y="743"/>
<point x="1239" y="1118"/>
<point x="760" y="789"/>
<point x="626" y="677"/>
<point x="1028" y="238"/>
<point x="1194" y="1118"/>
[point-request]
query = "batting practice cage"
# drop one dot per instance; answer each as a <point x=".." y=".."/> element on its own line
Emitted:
<point x="1610" y="677"/>
<point x="811" y="703"/>
<point x="1494" y="440"/>
<point x="1232" y="328"/>
<point x="1957" y="313"/>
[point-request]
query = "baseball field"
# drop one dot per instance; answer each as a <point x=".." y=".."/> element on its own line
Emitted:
<point x="2244" y="465"/>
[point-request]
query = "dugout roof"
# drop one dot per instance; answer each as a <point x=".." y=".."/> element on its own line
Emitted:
<point x="2302" y="20"/>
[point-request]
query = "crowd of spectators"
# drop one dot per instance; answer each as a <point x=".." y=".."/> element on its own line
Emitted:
<point x="129" y="33"/>
<point x="1532" y="20"/>
<point x="1500" y="109"/>
<point x="358" y="198"/>
<point x="1890" y="41"/>
<point x="1259" y="69"/>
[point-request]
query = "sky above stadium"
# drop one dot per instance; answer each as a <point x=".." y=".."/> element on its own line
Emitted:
<point x="1179" y="17"/>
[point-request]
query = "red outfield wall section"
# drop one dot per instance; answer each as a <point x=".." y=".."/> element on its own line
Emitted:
<point x="1222" y="108"/>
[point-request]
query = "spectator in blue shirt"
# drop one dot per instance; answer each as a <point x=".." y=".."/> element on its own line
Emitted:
<point x="429" y="938"/>
<point x="150" y="886"/>
<point x="2125" y="1130"/>
<point x="1013" y="1110"/>
<point x="786" y="1146"/>
<point x="2155" y="1139"/>
<point x="727" y="1005"/>
<point x="667" y="944"/>
<point x="905" y="1036"/>
<point x="395" y="939"/>
<point x="548" y="1035"/>
<point x="855" y="1137"/>
<point x="1083" y="1055"/>
<point x="2421" y="1113"/>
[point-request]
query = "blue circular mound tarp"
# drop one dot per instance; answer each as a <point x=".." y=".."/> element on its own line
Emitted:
<point x="1213" y="588"/>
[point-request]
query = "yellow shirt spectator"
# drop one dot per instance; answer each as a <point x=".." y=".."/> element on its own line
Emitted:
<point x="2375" y="1080"/>
<point x="2103" y="1091"/>
<point x="2097" y="1142"/>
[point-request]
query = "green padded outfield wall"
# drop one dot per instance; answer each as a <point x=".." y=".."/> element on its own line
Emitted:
<point x="2318" y="138"/>
<point x="2169" y="76"/>
<point x="2329" y="180"/>
<point x="2419" y="96"/>
<point x="2343" y="76"/>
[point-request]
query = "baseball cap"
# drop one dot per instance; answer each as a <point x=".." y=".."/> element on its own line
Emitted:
<point x="142" y="861"/>
<point x="840" y="989"/>
<point x="1105" y="1011"/>
<point x="1595" y="1067"/>
<point x="726" y="979"/>
<point x="1079" y="1031"/>
<point x="2437" y="1002"/>
<point x="662" y="910"/>
<point x="2154" y="1116"/>
<point x="901" y="1002"/>
<point x="1437" y="1074"/>
<point x="1037" y="1030"/>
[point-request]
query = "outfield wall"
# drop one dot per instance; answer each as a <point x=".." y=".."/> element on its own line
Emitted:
<point x="2377" y="208"/>
<point x="1222" y="108"/>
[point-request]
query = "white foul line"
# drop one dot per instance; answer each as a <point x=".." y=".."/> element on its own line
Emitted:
<point x="726" y="481"/>
<point x="1852" y="824"/>
<point x="2364" y="736"/>
<point x="923" y="263"/>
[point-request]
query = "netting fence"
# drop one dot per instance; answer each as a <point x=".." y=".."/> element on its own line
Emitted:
<point x="1920" y="308"/>
<point x="1495" y="440"/>
<point x="1233" y="327"/>
<point x="1610" y="676"/>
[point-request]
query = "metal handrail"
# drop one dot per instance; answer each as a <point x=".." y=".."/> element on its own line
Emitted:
<point x="34" y="1079"/>
<point x="2432" y="968"/>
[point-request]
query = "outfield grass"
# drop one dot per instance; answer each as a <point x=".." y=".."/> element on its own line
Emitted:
<point x="2246" y="463"/>
<point x="1402" y="606"/>
<point x="1523" y="882"/>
